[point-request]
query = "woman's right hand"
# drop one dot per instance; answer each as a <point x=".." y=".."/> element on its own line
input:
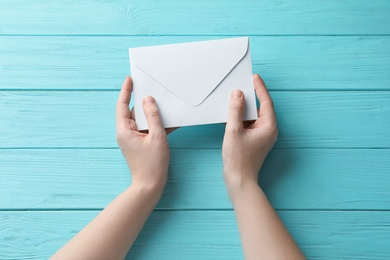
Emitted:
<point x="245" y="146"/>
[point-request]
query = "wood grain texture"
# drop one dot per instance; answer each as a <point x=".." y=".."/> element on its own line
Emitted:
<point x="320" y="119"/>
<point x="201" y="17"/>
<point x="292" y="179"/>
<point x="202" y="234"/>
<point x="326" y="63"/>
<point x="285" y="63"/>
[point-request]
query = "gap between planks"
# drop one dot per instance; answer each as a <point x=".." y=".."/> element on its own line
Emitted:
<point x="195" y="209"/>
<point x="193" y="35"/>
<point x="195" y="148"/>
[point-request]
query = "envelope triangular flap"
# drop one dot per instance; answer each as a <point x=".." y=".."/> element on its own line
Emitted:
<point x="191" y="70"/>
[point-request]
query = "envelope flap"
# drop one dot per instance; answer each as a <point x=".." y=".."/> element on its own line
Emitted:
<point x="193" y="70"/>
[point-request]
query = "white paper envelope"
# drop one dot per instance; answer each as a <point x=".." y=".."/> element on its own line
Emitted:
<point x="192" y="82"/>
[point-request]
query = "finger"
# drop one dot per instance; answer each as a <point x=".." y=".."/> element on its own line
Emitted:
<point x="236" y="110"/>
<point x="152" y="115"/>
<point x="122" y="106"/>
<point x="266" y="105"/>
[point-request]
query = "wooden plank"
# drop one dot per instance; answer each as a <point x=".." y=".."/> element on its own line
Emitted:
<point x="202" y="234"/>
<point x="286" y="63"/>
<point x="201" y="17"/>
<point x="319" y="119"/>
<point x="89" y="179"/>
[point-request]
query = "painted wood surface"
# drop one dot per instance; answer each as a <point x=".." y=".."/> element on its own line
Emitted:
<point x="314" y="119"/>
<point x="285" y="63"/>
<point x="326" y="63"/>
<point x="200" y="17"/>
<point x="293" y="179"/>
<point x="202" y="234"/>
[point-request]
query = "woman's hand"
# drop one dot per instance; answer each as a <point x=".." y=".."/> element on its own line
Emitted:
<point x="114" y="230"/>
<point x="147" y="154"/>
<point x="245" y="146"/>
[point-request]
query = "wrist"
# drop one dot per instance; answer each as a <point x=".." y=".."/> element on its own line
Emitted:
<point x="147" y="193"/>
<point x="237" y="178"/>
<point x="152" y="188"/>
<point x="239" y="183"/>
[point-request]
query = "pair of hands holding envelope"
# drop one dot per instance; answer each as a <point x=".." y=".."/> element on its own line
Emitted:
<point x="202" y="90"/>
<point x="245" y="146"/>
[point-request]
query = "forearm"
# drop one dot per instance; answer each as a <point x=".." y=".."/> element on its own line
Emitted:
<point x="262" y="233"/>
<point x="111" y="234"/>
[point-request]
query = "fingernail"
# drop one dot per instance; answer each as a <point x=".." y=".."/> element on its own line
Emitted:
<point x="149" y="100"/>
<point x="237" y="93"/>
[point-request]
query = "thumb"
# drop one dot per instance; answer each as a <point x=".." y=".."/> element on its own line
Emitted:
<point x="236" y="109"/>
<point x="152" y="115"/>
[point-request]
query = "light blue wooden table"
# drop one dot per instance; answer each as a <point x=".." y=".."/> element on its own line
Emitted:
<point x="326" y="63"/>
